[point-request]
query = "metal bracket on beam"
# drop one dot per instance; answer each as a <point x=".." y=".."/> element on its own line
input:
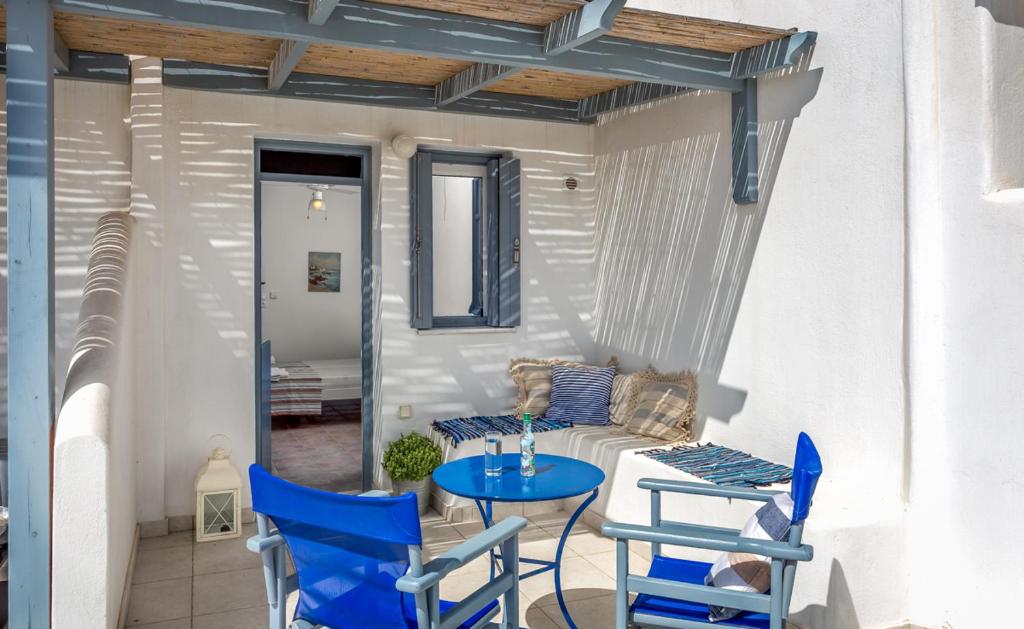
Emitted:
<point x="581" y="25"/>
<point x="287" y="57"/>
<point x="473" y="79"/>
<point x="772" y="56"/>
<point x="744" y="144"/>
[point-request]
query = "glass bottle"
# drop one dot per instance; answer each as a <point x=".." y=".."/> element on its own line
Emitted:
<point x="527" y="448"/>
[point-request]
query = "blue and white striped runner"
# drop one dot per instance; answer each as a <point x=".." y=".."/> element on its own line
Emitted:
<point x="721" y="465"/>
<point x="462" y="429"/>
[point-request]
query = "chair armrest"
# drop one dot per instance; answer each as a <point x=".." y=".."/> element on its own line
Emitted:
<point x="467" y="551"/>
<point x="694" y="536"/>
<point x="258" y="544"/>
<point x="706" y="489"/>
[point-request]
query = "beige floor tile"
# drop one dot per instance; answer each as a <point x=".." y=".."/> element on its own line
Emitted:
<point x="584" y="540"/>
<point x="158" y="564"/>
<point x="580" y="580"/>
<point x="250" y="618"/>
<point x="225" y="556"/>
<point x="167" y="541"/>
<point x="593" y="613"/>
<point x="226" y="591"/>
<point x="536" y="618"/>
<point x="605" y="562"/>
<point x="159" y="601"/>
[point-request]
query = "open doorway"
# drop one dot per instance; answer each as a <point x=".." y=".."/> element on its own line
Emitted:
<point x="314" y="381"/>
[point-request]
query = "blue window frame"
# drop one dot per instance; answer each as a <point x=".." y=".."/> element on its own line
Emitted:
<point x="488" y="196"/>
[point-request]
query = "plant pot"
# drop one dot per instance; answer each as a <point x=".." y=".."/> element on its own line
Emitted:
<point x="420" y="487"/>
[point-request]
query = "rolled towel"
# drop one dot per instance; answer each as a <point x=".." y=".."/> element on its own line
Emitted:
<point x="278" y="372"/>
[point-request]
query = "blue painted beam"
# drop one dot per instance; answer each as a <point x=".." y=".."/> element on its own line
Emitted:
<point x="30" y="403"/>
<point x="236" y="79"/>
<point x="401" y="29"/>
<point x="61" y="59"/>
<point x="774" y="55"/>
<point x="87" y="66"/>
<point x="471" y="80"/>
<point x="586" y="23"/>
<point x="320" y="11"/>
<point x="625" y="96"/>
<point x="744" y="144"/>
<point x="288" y="55"/>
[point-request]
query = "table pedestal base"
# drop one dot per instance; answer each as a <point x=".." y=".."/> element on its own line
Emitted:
<point x="486" y="510"/>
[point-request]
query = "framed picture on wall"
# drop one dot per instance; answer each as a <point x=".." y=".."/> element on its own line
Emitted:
<point x="324" y="272"/>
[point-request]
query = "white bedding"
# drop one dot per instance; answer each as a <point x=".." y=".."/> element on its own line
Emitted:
<point x="341" y="378"/>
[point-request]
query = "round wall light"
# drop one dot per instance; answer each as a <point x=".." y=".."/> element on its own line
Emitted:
<point x="403" y="146"/>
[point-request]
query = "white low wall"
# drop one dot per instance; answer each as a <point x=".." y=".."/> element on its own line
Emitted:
<point x="94" y="449"/>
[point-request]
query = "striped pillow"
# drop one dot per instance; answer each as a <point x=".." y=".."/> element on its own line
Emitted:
<point x="662" y="405"/>
<point x="532" y="377"/>
<point x="580" y="396"/>
<point x="744" y="572"/>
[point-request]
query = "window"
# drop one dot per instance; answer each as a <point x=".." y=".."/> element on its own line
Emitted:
<point x="465" y="240"/>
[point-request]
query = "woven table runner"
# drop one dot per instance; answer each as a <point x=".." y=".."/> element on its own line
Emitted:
<point x="460" y="429"/>
<point x="721" y="465"/>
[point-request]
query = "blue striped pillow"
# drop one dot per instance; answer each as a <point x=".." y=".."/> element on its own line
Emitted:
<point x="580" y="394"/>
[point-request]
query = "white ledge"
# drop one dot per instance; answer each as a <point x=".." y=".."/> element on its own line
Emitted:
<point x="475" y="330"/>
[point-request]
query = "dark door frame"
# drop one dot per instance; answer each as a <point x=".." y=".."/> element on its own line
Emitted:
<point x="365" y="182"/>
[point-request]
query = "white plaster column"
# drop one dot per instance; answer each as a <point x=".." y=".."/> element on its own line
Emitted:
<point x="147" y="206"/>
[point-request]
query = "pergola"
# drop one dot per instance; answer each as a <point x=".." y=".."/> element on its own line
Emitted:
<point x="554" y="60"/>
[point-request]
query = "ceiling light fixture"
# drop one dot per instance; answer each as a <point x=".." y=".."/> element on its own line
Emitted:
<point x="316" y="202"/>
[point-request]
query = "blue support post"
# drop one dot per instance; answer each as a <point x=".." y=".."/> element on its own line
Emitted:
<point x="744" y="143"/>
<point x="30" y="307"/>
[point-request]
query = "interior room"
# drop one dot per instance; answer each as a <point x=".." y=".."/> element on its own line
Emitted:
<point x="311" y="305"/>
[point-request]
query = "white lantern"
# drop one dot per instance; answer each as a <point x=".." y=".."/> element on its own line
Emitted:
<point x="218" y="499"/>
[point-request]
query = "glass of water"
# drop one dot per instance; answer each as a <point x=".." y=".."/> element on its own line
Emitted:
<point x="492" y="453"/>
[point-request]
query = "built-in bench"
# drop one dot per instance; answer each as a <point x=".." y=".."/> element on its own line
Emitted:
<point x="616" y="453"/>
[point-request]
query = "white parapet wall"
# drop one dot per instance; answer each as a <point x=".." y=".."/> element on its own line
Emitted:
<point x="94" y="449"/>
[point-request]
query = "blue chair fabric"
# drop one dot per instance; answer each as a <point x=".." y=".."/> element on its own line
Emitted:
<point x="348" y="552"/>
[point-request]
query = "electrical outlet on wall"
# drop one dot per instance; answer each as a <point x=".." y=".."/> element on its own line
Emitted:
<point x="405" y="411"/>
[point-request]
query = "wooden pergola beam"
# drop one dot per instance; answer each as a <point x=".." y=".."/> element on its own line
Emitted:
<point x="30" y="292"/>
<point x="374" y="26"/>
<point x="625" y="96"/>
<point x="244" y="80"/>
<point x="287" y="57"/>
<point x="584" y="24"/>
<point x="471" y="80"/>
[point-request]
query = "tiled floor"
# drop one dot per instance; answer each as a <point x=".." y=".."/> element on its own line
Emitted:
<point x="323" y="452"/>
<point x="179" y="584"/>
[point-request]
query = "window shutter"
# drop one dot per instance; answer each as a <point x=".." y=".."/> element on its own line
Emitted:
<point x="421" y="242"/>
<point x="509" y="244"/>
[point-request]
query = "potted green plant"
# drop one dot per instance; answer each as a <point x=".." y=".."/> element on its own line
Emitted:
<point x="409" y="461"/>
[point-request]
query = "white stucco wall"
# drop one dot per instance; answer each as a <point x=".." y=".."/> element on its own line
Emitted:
<point x="192" y="170"/>
<point x="91" y="178"/>
<point x="299" y="324"/>
<point x="791" y="309"/>
<point x="966" y="246"/>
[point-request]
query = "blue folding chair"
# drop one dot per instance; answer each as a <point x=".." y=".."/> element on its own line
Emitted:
<point x="358" y="561"/>
<point x="673" y="593"/>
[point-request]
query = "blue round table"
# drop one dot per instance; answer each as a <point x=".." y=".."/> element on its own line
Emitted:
<point x="557" y="477"/>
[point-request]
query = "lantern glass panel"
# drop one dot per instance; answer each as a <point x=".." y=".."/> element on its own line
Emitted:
<point x="219" y="513"/>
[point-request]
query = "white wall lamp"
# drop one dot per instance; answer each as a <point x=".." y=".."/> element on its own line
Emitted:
<point x="403" y="146"/>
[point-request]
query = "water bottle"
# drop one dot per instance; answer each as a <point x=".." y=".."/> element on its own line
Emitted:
<point x="527" y="449"/>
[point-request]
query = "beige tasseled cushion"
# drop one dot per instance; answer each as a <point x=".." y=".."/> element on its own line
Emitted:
<point x="618" y="404"/>
<point x="532" y="377"/>
<point x="662" y="405"/>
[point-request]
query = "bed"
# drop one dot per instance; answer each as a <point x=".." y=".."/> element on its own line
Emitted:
<point x="308" y="384"/>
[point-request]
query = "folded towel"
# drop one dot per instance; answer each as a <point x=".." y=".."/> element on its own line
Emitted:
<point x="278" y="372"/>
